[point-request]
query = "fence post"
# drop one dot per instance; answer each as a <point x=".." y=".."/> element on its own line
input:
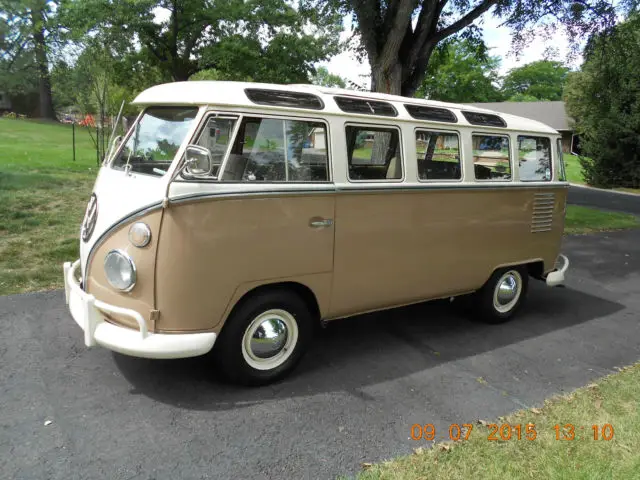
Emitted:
<point x="73" y="130"/>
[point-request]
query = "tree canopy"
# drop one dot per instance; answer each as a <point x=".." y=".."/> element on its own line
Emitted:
<point x="399" y="37"/>
<point x="323" y="78"/>
<point x="461" y="71"/>
<point x="267" y="40"/>
<point x="541" y="80"/>
<point x="29" y="35"/>
<point x="604" y="98"/>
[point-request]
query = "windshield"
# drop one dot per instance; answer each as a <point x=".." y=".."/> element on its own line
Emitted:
<point x="155" y="140"/>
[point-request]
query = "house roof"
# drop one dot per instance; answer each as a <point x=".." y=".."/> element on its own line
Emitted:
<point x="553" y="114"/>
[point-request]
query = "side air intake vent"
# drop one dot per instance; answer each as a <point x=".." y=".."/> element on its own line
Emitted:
<point x="542" y="216"/>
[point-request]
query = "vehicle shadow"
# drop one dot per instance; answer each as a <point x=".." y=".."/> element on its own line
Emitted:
<point x="352" y="353"/>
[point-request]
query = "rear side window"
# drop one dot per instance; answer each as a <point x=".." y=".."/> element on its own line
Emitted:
<point x="438" y="155"/>
<point x="278" y="150"/>
<point x="373" y="153"/>
<point x="491" y="158"/>
<point x="534" y="158"/>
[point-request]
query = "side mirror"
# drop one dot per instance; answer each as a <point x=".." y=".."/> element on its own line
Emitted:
<point x="198" y="162"/>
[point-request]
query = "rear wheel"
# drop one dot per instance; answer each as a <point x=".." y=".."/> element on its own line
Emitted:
<point x="503" y="294"/>
<point x="264" y="338"/>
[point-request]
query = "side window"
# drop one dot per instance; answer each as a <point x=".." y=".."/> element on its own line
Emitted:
<point x="215" y="136"/>
<point x="491" y="157"/>
<point x="534" y="158"/>
<point x="562" y="175"/>
<point x="275" y="150"/>
<point x="438" y="155"/>
<point x="373" y="153"/>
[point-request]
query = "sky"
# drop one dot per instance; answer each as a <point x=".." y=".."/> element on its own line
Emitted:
<point x="497" y="38"/>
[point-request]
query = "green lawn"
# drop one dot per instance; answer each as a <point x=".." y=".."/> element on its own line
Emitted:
<point x="573" y="168"/>
<point x="553" y="454"/>
<point x="588" y="220"/>
<point x="43" y="194"/>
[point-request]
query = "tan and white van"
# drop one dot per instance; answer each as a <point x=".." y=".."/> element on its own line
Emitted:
<point x="233" y="217"/>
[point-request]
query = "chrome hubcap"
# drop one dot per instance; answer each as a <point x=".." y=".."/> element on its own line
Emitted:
<point x="507" y="291"/>
<point x="269" y="338"/>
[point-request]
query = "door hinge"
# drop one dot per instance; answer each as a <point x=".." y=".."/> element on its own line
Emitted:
<point x="154" y="315"/>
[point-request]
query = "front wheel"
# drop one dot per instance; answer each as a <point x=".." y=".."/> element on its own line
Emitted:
<point x="503" y="294"/>
<point x="264" y="338"/>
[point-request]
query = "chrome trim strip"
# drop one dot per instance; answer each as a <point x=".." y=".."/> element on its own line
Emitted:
<point x="232" y="141"/>
<point x="253" y="193"/>
<point x="451" y="186"/>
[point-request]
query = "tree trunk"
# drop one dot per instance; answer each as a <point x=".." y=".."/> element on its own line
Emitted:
<point x="44" y="80"/>
<point x="389" y="81"/>
<point x="398" y="80"/>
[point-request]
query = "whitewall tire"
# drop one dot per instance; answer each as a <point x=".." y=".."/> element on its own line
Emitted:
<point x="264" y="338"/>
<point x="503" y="294"/>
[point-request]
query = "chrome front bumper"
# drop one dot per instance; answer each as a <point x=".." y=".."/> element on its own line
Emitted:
<point x="555" y="278"/>
<point x="88" y="313"/>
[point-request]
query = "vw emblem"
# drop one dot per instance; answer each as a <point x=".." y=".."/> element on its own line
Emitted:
<point x="90" y="217"/>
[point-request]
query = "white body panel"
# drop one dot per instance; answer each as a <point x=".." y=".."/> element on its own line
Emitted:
<point x="119" y="195"/>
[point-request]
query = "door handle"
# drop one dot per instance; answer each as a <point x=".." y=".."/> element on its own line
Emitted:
<point x="317" y="222"/>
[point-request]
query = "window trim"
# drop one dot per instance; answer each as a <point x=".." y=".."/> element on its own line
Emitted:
<point x="408" y="106"/>
<point x="503" y="135"/>
<point x="205" y="119"/>
<point x="400" y="146"/>
<point x="364" y="100"/>
<point x="479" y="124"/>
<point x="460" y="153"/>
<point x="250" y="90"/>
<point x="241" y="117"/>
<point x="518" y="135"/>
<point x="560" y="171"/>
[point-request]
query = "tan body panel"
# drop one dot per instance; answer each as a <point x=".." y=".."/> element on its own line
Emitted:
<point x="398" y="246"/>
<point x="213" y="249"/>
<point x="392" y="247"/>
<point x="141" y="297"/>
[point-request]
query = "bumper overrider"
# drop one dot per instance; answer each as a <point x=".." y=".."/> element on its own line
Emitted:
<point x="88" y="312"/>
<point x="556" y="277"/>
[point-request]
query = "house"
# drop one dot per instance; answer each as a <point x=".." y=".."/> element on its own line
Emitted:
<point x="553" y="114"/>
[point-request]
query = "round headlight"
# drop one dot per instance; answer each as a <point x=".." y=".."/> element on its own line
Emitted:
<point x="140" y="234"/>
<point x="120" y="270"/>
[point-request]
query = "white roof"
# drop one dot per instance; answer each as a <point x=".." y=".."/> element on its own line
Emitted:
<point x="232" y="94"/>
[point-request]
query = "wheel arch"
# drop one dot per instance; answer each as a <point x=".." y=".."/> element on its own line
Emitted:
<point x="303" y="291"/>
<point x="533" y="266"/>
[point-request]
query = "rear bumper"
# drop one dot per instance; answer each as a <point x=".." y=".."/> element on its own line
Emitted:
<point x="88" y="313"/>
<point x="555" y="278"/>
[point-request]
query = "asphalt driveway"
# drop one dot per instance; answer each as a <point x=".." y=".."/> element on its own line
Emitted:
<point x="354" y="399"/>
<point x="604" y="199"/>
